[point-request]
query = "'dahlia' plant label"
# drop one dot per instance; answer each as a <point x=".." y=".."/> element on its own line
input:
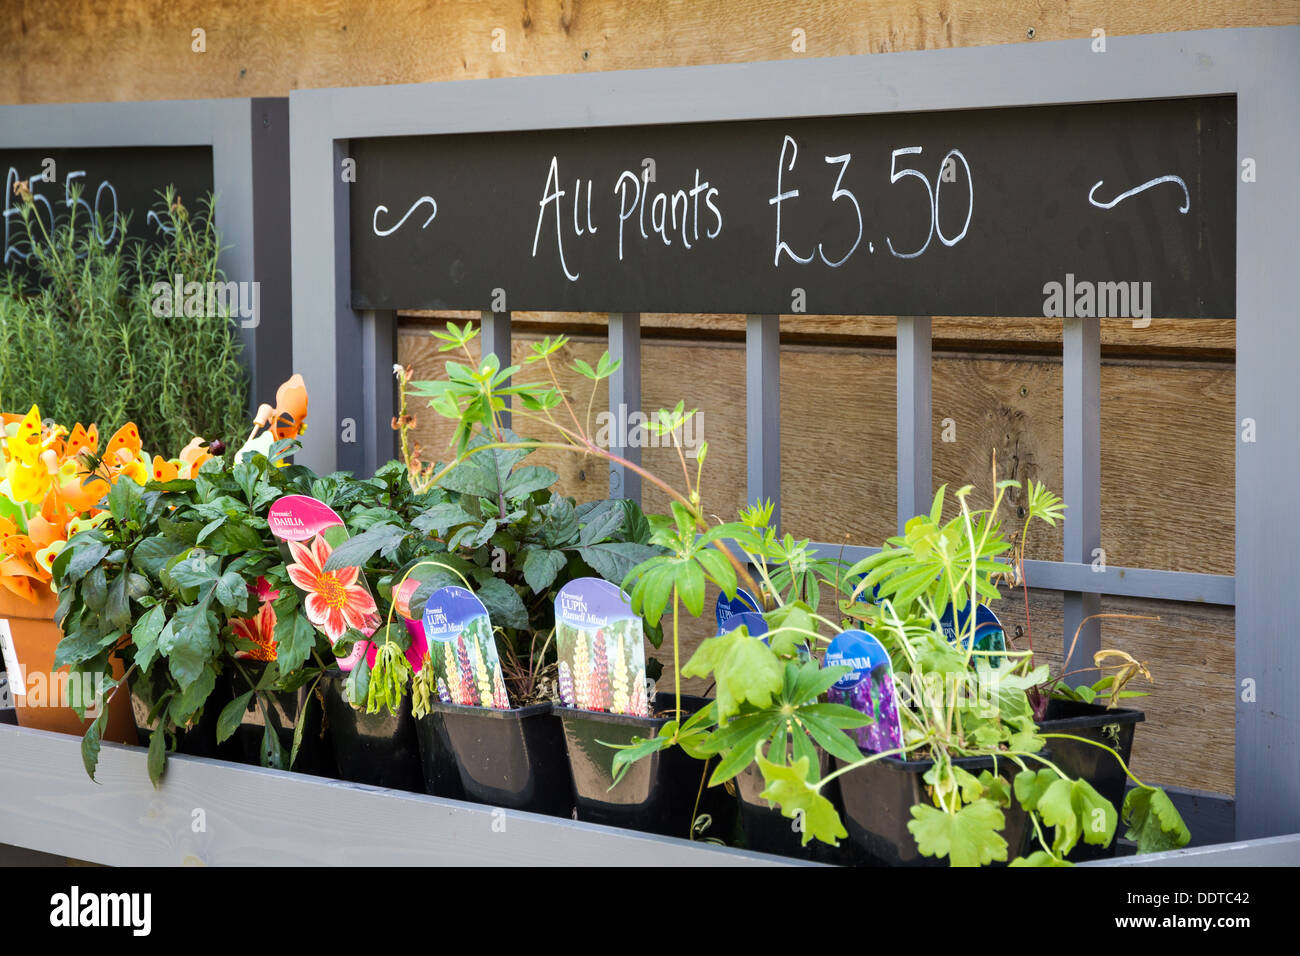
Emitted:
<point x="868" y="687"/>
<point x="601" y="649"/>
<point x="462" y="650"/>
<point x="335" y="601"/>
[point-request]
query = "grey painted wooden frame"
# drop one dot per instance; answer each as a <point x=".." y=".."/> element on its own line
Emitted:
<point x="209" y="812"/>
<point x="1260" y="66"/>
<point x="249" y="139"/>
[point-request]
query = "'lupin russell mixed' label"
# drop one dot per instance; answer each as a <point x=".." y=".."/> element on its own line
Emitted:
<point x="601" y="649"/>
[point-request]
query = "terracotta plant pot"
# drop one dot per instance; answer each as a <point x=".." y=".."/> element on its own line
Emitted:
<point x="35" y="636"/>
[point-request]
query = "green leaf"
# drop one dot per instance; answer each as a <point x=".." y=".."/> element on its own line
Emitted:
<point x="968" y="837"/>
<point x="232" y="592"/>
<point x="1153" y="821"/>
<point x="600" y="520"/>
<point x="232" y="715"/>
<point x="357" y="550"/>
<point x="152" y="554"/>
<point x="504" y="606"/>
<point x="745" y="669"/>
<point x="90" y="741"/>
<point x="788" y="787"/>
<point x="234" y="538"/>
<point x="157" y="755"/>
<point x="145" y="636"/>
<point x="440" y="518"/>
<point x="117" y="606"/>
<point x="541" y="567"/>
<point x="1038" y="858"/>
<point x="187" y="703"/>
<point x="295" y="638"/>
<point x="529" y="478"/>
<point x="272" y="754"/>
<point x="614" y="560"/>
<point x="635" y="750"/>
<point x="188" y="643"/>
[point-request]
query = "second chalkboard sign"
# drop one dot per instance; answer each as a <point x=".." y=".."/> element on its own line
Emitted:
<point x="94" y="187"/>
<point x="1122" y="209"/>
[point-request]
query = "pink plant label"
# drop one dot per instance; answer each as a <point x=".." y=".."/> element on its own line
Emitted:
<point x="601" y="649"/>
<point x="299" y="518"/>
<point x="335" y="601"/>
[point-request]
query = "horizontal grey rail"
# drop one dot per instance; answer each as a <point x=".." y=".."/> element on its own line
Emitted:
<point x="214" y="813"/>
<point x="1266" y="851"/>
<point x="1113" y="580"/>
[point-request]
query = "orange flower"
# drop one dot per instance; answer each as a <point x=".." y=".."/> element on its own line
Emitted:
<point x="124" y="447"/>
<point x="260" y="630"/>
<point x="192" y="458"/>
<point x="163" y="470"/>
<point x="335" y="601"/>
<point x="290" y="408"/>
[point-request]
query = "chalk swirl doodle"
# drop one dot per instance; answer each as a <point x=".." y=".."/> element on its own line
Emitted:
<point x="414" y="206"/>
<point x="1187" y="196"/>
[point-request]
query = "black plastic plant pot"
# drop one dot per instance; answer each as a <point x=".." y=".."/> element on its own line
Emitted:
<point x="506" y="758"/>
<point x="200" y="740"/>
<point x="1114" y="729"/>
<point x="878" y="799"/>
<point x="768" y="831"/>
<point x="379" y="749"/>
<point x="658" y="793"/>
<point x="437" y="762"/>
<point x="283" y="710"/>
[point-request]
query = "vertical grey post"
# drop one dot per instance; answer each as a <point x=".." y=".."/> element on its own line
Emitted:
<point x="763" y="410"/>
<point x="912" y="378"/>
<point x="353" y="430"/>
<point x="268" y="344"/>
<point x="624" y="398"/>
<point x="1081" y="415"/>
<point x="496" y="339"/>
<point x="378" y="388"/>
<point x="1268" y="453"/>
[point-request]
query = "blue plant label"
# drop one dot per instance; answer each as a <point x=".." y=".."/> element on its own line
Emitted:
<point x="749" y="619"/>
<point x="989" y="634"/>
<point x="868" y="687"/>
<point x="463" y="650"/>
<point x="742" y="603"/>
<point x="600" y="644"/>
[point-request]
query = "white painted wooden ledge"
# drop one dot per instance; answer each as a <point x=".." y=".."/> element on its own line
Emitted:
<point x="254" y="816"/>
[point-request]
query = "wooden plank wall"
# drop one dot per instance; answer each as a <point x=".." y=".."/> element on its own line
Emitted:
<point x="1167" y="391"/>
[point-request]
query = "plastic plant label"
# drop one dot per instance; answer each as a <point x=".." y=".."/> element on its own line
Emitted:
<point x="17" y="686"/>
<point x="413" y="619"/>
<point x="989" y="634"/>
<point x="754" y="622"/>
<point x="463" y="651"/>
<point x="868" y="688"/>
<point x="335" y="601"/>
<point x="601" y="648"/>
<point x="742" y="603"/>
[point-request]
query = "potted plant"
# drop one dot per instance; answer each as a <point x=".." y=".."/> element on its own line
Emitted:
<point x="184" y="582"/>
<point x="493" y="526"/>
<point x="473" y="396"/>
<point x="53" y="483"/>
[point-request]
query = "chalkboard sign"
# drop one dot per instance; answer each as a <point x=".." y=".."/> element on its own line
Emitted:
<point x="1097" y="209"/>
<point x="112" y="181"/>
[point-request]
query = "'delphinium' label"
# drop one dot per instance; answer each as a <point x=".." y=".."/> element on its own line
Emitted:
<point x="601" y="648"/>
<point x="868" y="687"/>
<point x="462" y="650"/>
